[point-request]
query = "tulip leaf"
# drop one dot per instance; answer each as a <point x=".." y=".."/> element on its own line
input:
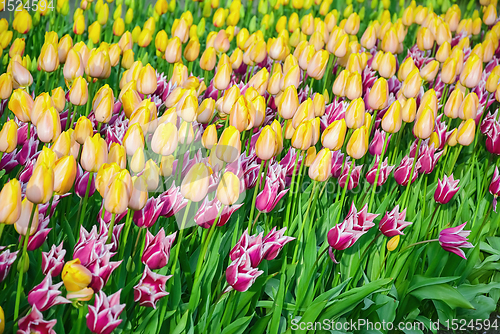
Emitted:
<point x="238" y="326"/>
<point x="419" y="281"/>
<point x="442" y="292"/>
<point x="181" y="325"/>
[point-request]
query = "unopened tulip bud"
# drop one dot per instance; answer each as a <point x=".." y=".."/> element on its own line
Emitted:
<point x="490" y="15"/>
<point x="409" y="110"/>
<point x="320" y="169"/>
<point x="340" y="83"/>
<point x="392" y="120"/>
<point x="317" y="65"/>
<point x="424" y="124"/>
<point x="358" y="143"/>
<point x="412" y="84"/>
<point x="304" y="112"/>
<point x="492" y="82"/>
<point x="78" y="93"/>
<point x="195" y="184"/>
<point x="83" y="130"/>
<point x="10" y="196"/>
<point x="8" y="137"/>
<point x="378" y="95"/>
<point x="64" y="174"/>
<point x="319" y="105"/>
<point x="355" y="114"/>
<point x="387" y="65"/>
<point x="405" y="68"/>
<point x="469" y="106"/>
<point x="267" y="144"/>
<point x="354" y="86"/>
<point x="228" y="190"/>
<point x="472" y="72"/>
<point x="443" y="52"/>
<point x="334" y="135"/>
<point x="425" y="39"/>
<point x="449" y="71"/>
<point x="41" y="184"/>
<point x="75" y="276"/>
<point x="94" y="153"/>
<point x="466" y="132"/>
<point x="222" y="77"/>
<point x="429" y="71"/>
<point x="49" y="125"/>
<point x="21" y="225"/>
<point x="453" y="104"/>
<point x="165" y="139"/>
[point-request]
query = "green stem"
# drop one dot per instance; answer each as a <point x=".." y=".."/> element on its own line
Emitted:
<point x="81" y="314"/>
<point x="128" y="222"/>
<point x="304" y="222"/>
<point x="85" y="200"/>
<point x="457" y="153"/>
<point x="411" y="173"/>
<point x="342" y="199"/>
<point x="21" y="271"/>
<point x="289" y="201"/>
<point x="378" y="172"/>
<point x="111" y="226"/>
<point x="255" y="191"/>
<point x="416" y="244"/>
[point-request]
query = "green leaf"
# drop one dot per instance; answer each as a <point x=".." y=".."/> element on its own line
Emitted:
<point x="238" y="326"/>
<point x="419" y="281"/>
<point x="181" y="325"/>
<point x="442" y="292"/>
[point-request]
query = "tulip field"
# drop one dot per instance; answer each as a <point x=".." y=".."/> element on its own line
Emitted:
<point x="267" y="166"/>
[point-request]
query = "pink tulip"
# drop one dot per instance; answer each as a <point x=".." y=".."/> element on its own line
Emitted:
<point x="488" y="122"/>
<point x="353" y="178"/>
<point x="241" y="274"/>
<point x="172" y="201"/>
<point x="53" y="261"/>
<point x="337" y="163"/>
<point x="402" y="172"/>
<point x="208" y="211"/>
<point x="383" y="175"/>
<point x="493" y="139"/>
<point x="36" y="240"/>
<point x="34" y="323"/>
<point x="101" y="270"/>
<point x="157" y="249"/>
<point x="7" y="258"/>
<point x="103" y="316"/>
<point x="81" y="181"/>
<point x="249" y="245"/>
<point x="427" y="159"/>
<point x="446" y="189"/>
<point x="454" y="238"/>
<point x="274" y="189"/>
<point x="377" y="143"/>
<point x="150" y="288"/>
<point x="149" y="214"/>
<point x="45" y="295"/>
<point x="274" y="242"/>
<point x="393" y="222"/>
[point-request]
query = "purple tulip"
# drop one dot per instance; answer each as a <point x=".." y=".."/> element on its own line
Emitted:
<point x="441" y="130"/>
<point x="427" y="159"/>
<point x="149" y="213"/>
<point x="274" y="189"/>
<point x="103" y="316"/>
<point x="208" y="211"/>
<point x="42" y="208"/>
<point x="488" y="122"/>
<point x="446" y="189"/>
<point x="7" y="258"/>
<point x="53" y="261"/>
<point x="252" y="246"/>
<point x="493" y="139"/>
<point x="337" y="163"/>
<point x="36" y="240"/>
<point x="9" y="161"/>
<point x="393" y="222"/>
<point x="172" y="201"/>
<point x="157" y="249"/>
<point x="27" y="171"/>
<point x="353" y="178"/>
<point x="288" y="162"/>
<point x="213" y="181"/>
<point x="383" y="175"/>
<point x="28" y="151"/>
<point x="150" y="288"/>
<point x="375" y="147"/>
<point x="34" y="323"/>
<point x="45" y="295"/>
<point x="495" y="183"/>
<point x="402" y="172"/>
<point x="240" y="274"/>
<point x="90" y="246"/>
<point x="454" y="238"/>
<point x="274" y="242"/>
<point x="81" y="182"/>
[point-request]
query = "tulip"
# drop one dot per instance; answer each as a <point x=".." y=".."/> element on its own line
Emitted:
<point x="21" y="105"/>
<point x="424" y="124"/>
<point x="412" y="84"/>
<point x="8" y="137"/>
<point x="358" y="143"/>
<point x="75" y="276"/>
<point x="402" y="172"/>
<point x="78" y="93"/>
<point x="45" y="295"/>
<point x="353" y="87"/>
<point x="150" y="289"/>
<point x="194" y="185"/>
<point x="443" y="52"/>
<point x="83" y="130"/>
<point x="94" y="153"/>
<point x="454" y="238"/>
<point x="452" y="106"/>
<point x="165" y="139"/>
<point x="446" y="189"/>
<point x="449" y="71"/>
<point x="33" y="322"/>
<point x="490" y="15"/>
<point x="157" y="249"/>
<point x="48" y="59"/>
<point x="133" y="139"/>
<point x="466" y="131"/>
<point x="228" y="190"/>
<point x="320" y="169"/>
<point x="53" y="261"/>
<point x="472" y="71"/>
<point x="21" y="76"/>
<point x="103" y="316"/>
<point x="429" y="71"/>
<point x="138" y="161"/>
<point x="334" y="135"/>
<point x="393" y="223"/>
<point x="355" y="114"/>
<point x="267" y="144"/>
<point x="303" y="136"/>
<point x="103" y="104"/>
<point x="409" y="110"/>
<point x="6" y="84"/>
<point x="10" y="196"/>
<point x="147" y="82"/>
<point x="116" y="196"/>
<point x="289" y="103"/>
<point x="391" y="122"/>
<point x="208" y="59"/>
<point x="387" y="66"/>
<point x="64" y="174"/>
<point x="186" y="133"/>
<point x="209" y="138"/>
<point x="317" y="65"/>
<point x="41" y="184"/>
<point x="144" y="38"/>
<point x="378" y="95"/>
<point x="222" y="77"/>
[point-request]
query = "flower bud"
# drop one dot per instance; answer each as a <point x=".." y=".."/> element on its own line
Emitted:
<point x="405" y="68"/>
<point x="409" y="110"/>
<point x="320" y="169"/>
<point x="443" y="52"/>
<point x="379" y="94"/>
<point x="429" y="71"/>
<point x="64" y="174"/>
<point x="424" y="125"/>
<point x="355" y="114"/>
<point x="40" y="185"/>
<point x="466" y="131"/>
<point x="75" y="276"/>
<point x="195" y="184"/>
<point x="453" y="104"/>
<point x="48" y="125"/>
<point x="78" y="93"/>
<point x="10" y="196"/>
<point x="228" y="190"/>
<point x="334" y="135"/>
<point x="412" y="84"/>
<point x="469" y="106"/>
<point x="391" y="122"/>
<point x="303" y="136"/>
<point x="449" y="71"/>
<point x="472" y="72"/>
<point x="358" y="143"/>
<point x="8" y="137"/>
<point x="317" y="65"/>
<point x="340" y="83"/>
<point x="94" y="153"/>
<point x="354" y="86"/>
<point x="267" y="144"/>
<point x="21" y="225"/>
